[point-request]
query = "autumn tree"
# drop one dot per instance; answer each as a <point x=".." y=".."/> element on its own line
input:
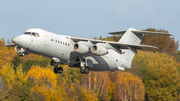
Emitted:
<point x="19" y="92"/>
<point x="129" y="88"/>
<point x="8" y="74"/>
<point x="41" y="75"/>
<point x="160" y="75"/>
<point x="98" y="82"/>
<point x="6" y="53"/>
<point x="70" y="75"/>
<point x="164" y="43"/>
<point x="51" y="94"/>
<point x="109" y="38"/>
<point x="16" y="61"/>
<point x="3" y="89"/>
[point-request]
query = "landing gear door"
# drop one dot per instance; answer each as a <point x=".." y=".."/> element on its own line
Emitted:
<point x="89" y="63"/>
<point x="46" y="39"/>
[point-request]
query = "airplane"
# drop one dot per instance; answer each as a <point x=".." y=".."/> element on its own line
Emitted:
<point x="86" y="54"/>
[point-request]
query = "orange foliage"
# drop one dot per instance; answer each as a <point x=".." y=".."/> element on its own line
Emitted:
<point x="32" y="56"/>
<point x="163" y="42"/>
<point x="50" y="94"/>
<point x="160" y="75"/>
<point x="88" y="95"/>
<point x="42" y="75"/>
<point x="6" y="53"/>
<point x="7" y="72"/>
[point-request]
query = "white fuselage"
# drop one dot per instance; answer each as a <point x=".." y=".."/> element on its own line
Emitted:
<point x="53" y="45"/>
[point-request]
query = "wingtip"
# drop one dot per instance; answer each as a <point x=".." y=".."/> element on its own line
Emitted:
<point x="10" y="45"/>
<point x="171" y="34"/>
<point x="155" y="47"/>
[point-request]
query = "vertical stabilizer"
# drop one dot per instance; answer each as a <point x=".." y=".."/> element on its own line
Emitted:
<point x="130" y="38"/>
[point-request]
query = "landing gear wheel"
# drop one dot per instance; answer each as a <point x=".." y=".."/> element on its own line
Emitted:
<point x="86" y="71"/>
<point x="60" y="70"/>
<point x="55" y="70"/>
<point x="81" y="70"/>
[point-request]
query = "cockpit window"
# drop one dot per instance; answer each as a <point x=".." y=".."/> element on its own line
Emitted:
<point x="27" y="33"/>
<point x="37" y="35"/>
<point x="33" y="34"/>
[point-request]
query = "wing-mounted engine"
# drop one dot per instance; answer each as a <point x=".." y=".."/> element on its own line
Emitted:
<point x="99" y="50"/>
<point x="21" y="51"/>
<point x="80" y="48"/>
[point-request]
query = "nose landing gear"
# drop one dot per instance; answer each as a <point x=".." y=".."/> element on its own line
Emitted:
<point x="56" y="68"/>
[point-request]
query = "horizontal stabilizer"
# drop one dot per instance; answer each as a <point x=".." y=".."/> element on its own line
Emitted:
<point x="141" y="32"/>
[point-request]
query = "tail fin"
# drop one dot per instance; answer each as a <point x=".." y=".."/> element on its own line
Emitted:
<point x="133" y="36"/>
<point x="130" y="38"/>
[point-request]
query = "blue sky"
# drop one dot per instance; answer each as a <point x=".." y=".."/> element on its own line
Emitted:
<point x="82" y="18"/>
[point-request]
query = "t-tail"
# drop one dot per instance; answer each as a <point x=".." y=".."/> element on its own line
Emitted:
<point x="133" y="36"/>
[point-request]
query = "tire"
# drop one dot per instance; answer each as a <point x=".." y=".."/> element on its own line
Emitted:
<point x="55" y="70"/>
<point x="60" y="70"/>
<point x="81" y="70"/>
<point x="86" y="71"/>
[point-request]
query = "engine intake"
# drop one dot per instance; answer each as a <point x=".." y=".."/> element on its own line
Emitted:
<point x="99" y="50"/>
<point x="79" y="48"/>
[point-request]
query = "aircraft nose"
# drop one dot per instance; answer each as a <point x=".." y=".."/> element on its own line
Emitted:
<point x="17" y="40"/>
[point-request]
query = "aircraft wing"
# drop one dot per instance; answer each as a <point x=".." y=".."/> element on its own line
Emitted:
<point x="115" y="45"/>
<point x="136" y="46"/>
<point x="11" y="45"/>
<point x="94" y="41"/>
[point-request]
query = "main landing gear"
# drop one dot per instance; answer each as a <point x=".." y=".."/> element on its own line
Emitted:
<point x="83" y="68"/>
<point x="56" y="68"/>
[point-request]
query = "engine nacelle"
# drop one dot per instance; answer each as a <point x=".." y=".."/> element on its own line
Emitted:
<point x="80" y="48"/>
<point x="21" y="51"/>
<point x="99" y="50"/>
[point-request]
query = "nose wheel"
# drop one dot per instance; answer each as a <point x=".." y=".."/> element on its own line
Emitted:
<point x="58" y="70"/>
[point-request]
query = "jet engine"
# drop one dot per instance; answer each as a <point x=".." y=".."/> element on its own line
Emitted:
<point x="80" y="48"/>
<point x="21" y="51"/>
<point x="99" y="50"/>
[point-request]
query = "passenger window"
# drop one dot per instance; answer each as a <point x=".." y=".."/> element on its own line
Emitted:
<point x="58" y="41"/>
<point x="33" y="34"/>
<point x="55" y="40"/>
<point x="52" y="39"/>
<point x="66" y="44"/>
<point x="61" y="42"/>
<point x="37" y="35"/>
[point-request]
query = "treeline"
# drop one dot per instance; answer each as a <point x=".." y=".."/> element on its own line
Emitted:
<point x="155" y="75"/>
